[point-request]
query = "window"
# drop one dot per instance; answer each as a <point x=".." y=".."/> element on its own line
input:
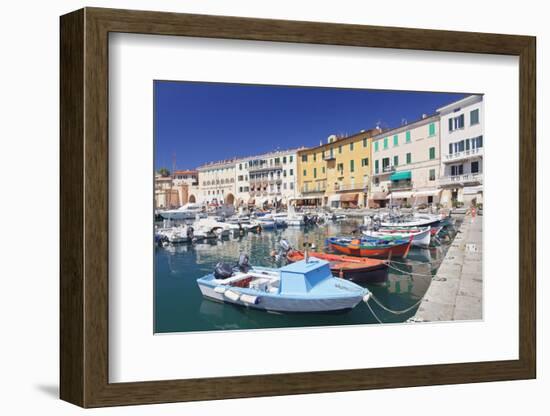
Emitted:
<point x="396" y="140"/>
<point x="323" y="169"/>
<point x="396" y="161"/>
<point x="291" y="185"/>
<point x="365" y="142"/>
<point x="456" y="123"/>
<point x="385" y="142"/>
<point x="385" y="163"/>
<point x="340" y="167"/>
<point x="457" y="170"/>
<point x="450" y="148"/>
<point x="314" y="157"/>
<point x="284" y="185"/>
<point x="340" y="149"/>
<point x="240" y="166"/>
<point x="365" y="161"/>
<point x="291" y="172"/>
<point x="351" y="147"/>
<point x="475" y="167"/>
<point x="432" y="174"/>
<point x="284" y="173"/>
<point x="474" y="117"/>
<point x="376" y="166"/>
<point x="323" y="154"/>
<point x="409" y="158"/>
<point x="479" y="141"/>
<point x="290" y="159"/>
<point x="314" y="172"/>
<point x="305" y="172"/>
<point x="284" y="159"/>
<point x="304" y="158"/>
<point x="408" y="137"/>
<point x="432" y="153"/>
<point x="351" y="165"/>
<point x="431" y="129"/>
<point x="240" y="188"/>
<point x="376" y="146"/>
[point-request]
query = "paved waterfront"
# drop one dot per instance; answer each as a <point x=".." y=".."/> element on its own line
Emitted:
<point x="455" y="292"/>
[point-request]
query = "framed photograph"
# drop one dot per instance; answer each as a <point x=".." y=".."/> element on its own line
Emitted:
<point x="255" y="207"/>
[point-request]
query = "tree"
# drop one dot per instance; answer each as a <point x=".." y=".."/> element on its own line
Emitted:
<point x="163" y="172"/>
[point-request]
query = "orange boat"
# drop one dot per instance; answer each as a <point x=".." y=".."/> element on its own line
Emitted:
<point x="357" y="269"/>
<point x="366" y="248"/>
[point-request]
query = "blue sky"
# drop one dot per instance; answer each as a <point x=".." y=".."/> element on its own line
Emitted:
<point x="203" y="122"/>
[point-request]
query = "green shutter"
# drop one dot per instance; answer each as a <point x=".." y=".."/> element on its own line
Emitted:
<point x="385" y="142"/>
<point x="432" y="153"/>
<point x="396" y="161"/>
<point x="376" y="166"/>
<point x="396" y="140"/>
<point x="314" y="172"/>
<point x="351" y="147"/>
<point x="408" y="137"/>
<point x="432" y="129"/>
<point x="376" y="146"/>
<point x="351" y="165"/>
<point x="305" y="172"/>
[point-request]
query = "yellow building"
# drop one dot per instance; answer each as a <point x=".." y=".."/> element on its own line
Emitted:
<point x="336" y="174"/>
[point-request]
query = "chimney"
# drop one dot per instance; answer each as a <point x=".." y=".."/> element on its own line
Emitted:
<point x="424" y="115"/>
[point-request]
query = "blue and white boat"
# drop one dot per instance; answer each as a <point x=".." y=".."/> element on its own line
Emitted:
<point x="304" y="286"/>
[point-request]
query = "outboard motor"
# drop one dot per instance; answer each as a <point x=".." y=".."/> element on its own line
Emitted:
<point x="223" y="271"/>
<point x="190" y="232"/>
<point x="243" y="264"/>
<point x="285" y="245"/>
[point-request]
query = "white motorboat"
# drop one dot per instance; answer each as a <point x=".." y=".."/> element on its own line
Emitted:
<point x="185" y="212"/>
<point x="206" y="228"/>
<point x="421" y="236"/>
<point x="174" y="235"/>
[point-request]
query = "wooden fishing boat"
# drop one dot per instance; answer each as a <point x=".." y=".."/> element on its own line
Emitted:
<point x="356" y="269"/>
<point x="370" y="248"/>
<point x="421" y="236"/>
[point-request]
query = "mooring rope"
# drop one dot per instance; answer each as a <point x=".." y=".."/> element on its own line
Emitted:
<point x="373" y="314"/>
<point x="392" y="311"/>
<point x="411" y="273"/>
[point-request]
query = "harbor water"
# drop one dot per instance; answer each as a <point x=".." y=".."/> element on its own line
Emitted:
<point x="180" y="307"/>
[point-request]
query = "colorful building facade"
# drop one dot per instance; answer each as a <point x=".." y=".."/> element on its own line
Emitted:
<point x="406" y="164"/>
<point x="462" y="135"/>
<point x="336" y="174"/>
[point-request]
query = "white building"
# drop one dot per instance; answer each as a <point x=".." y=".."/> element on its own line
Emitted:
<point x="217" y="183"/>
<point x="462" y="151"/>
<point x="267" y="179"/>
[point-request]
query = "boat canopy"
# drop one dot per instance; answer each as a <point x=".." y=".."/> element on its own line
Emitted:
<point x="299" y="278"/>
<point x="399" y="176"/>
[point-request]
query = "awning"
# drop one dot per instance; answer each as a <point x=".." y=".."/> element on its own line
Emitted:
<point x="430" y="192"/>
<point x="400" y="195"/>
<point x="379" y="195"/>
<point x="399" y="176"/>
<point x="472" y="190"/>
<point x="334" y="197"/>
<point x="349" y="197"/>
<point x="299" y="198"/>
<point x="251" y="201"/>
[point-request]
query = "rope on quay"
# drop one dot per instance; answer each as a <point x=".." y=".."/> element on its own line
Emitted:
<point x="370" y="296"/>
<point x="411" y="273"/>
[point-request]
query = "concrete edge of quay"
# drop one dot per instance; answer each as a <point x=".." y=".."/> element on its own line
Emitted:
<point x="456" y="291"/>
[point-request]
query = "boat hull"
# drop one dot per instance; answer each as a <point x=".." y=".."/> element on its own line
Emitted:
<point x="359" y="270"/>
<point x="274" y="303"/>
<point x="351" y="249"/>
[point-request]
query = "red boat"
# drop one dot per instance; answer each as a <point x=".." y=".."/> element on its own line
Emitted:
<point x="357" y="269"/>
<point x="365" y="248"/>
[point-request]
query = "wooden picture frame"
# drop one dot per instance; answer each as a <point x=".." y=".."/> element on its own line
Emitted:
<point x="84" y="207"/>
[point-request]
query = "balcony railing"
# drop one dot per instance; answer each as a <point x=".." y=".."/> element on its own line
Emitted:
<point x="467" y="178"/>
<point x="350" y="187"/>
<point x="400" y="185"/>
<point x="313" y="190"/>
<point x="386" y="170"/>
<point x="465" y="154"/>
<point x="275" y="166"/>
<point x="329" y="157"/>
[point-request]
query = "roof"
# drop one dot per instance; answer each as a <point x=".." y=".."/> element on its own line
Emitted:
<point x="469" y="100"/>
<point x="356" y="136"/>
<point x="185" y="172"/>
<point x="417" y="123"/>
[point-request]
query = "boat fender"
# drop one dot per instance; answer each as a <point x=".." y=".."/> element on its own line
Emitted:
<point x="234" y="296"/>
<point x="367" y="297"/>
<point x="219" y="289"/>
<point x="250" y="299"/>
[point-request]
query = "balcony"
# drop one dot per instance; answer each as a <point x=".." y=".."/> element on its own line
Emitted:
<point x="464" y="179"/>
<point x="263" y="168"/>
<point x="351" y="187"/>
<point x="318" y="190"/>
<point x="400" y="185"/>
<point x="386" y="170"/>
<point x="329" y="157"/>
<point x="465" y="154"/>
